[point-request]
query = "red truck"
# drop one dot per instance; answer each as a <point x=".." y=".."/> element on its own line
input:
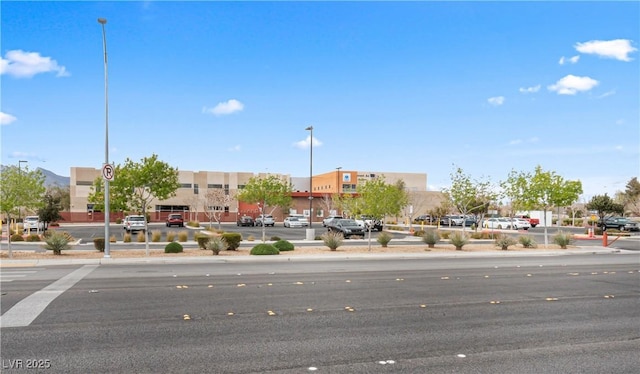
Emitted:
<point x="533" y="221"/>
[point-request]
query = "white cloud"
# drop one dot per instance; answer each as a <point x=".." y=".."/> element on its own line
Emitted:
<point x="520" y="141"/>
<point x="496" y="101"/>
<point x="570" y="60"/>
<point x="6" y="119"/>
<point x="571" y="84"/>
<point x="21" y="64"/>
<point x="302" y="144"/>
<point x="235" y="148"/>
<point x="608" y="93"/>
<point x="618" y="49"/>
<point x="223" y="108"/>
<point x="529" y="89"/>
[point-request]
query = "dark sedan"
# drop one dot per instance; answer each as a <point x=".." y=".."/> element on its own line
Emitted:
<point x="246" y="221"/>
<point x="347" y="227"/>
<point x="620" y="223"/>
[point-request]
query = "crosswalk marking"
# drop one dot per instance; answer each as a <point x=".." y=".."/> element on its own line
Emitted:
<point x="11" y="275"/>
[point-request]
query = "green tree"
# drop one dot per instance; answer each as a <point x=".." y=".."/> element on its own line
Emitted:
<point x="268" y="192"/>
<point x="542" y="190"/>
<point x="631" y="197"/>
<point x="604" y="206"/>
<point x="50" y="209"/>
<point x="118" y="201"/>
<point x="469" y="196"/>
<point x="377" y="199"/>
<point x="20" y="188"/>
<point x="142" y="182"/>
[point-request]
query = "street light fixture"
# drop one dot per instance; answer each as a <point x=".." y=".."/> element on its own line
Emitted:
<point x="107" y="248"/>
<point x="310" y="129"/>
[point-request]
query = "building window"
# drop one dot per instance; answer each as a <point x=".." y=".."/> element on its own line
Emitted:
<point x="84" y="183"/>
<point x="214" y="186"/>
<point x="195" y="189"/>
<point x="185" y="185"/>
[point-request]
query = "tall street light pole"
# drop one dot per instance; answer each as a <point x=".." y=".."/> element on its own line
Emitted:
<point x="338" y="180"/>
<point x="107" y="249"/>
<point x="310" y="129"/>
<point x="20" y="162"/>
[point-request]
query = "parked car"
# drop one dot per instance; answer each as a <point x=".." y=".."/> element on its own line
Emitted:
<point x="266" y="219"/>
<point x="301" y="218"/>
<point x="133" y="223"/>
<point x="32" y="223"/>
<point x="620" y="223"/>
<point x="423" y="218"/>
<point x="347" y="227"/>
<point x="451" y="220"/>
<point x="496" y="223"/>
<point x="245" y="221"/>
<point x="367" y="222"/>
<point x="533" y="221"/>
<point x="175" y="220"/>
<point x="293" y="222"/>
<point x="327" y="221"/>
<point x="520" y="224"/>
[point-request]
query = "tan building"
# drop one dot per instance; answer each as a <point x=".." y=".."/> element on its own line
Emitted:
<point x="191" y="198"/>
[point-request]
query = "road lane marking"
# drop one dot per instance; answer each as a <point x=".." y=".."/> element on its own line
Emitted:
<point x="28" y="309"/>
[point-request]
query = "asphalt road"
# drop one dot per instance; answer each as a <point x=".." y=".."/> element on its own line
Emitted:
<point x="542" y="314"/>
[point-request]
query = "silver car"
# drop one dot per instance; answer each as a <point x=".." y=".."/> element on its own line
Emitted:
<point x="265" y="219"/>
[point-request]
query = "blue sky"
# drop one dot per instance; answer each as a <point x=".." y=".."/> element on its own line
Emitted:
<point x="388" y="86"/>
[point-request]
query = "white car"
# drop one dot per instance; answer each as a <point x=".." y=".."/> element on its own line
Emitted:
<point x="301" y="218"/>
<point x="133" y="223"/>
<point x="293" y="222"/>
<point x="496" y="223"/>
<point x="32" y="223"/>
<point x="327" y="221"/>
<point x="520" y="224"/>
<point x="266" y="219"/>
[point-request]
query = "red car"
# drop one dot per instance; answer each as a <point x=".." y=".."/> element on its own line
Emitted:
<point x="175" y="220"/>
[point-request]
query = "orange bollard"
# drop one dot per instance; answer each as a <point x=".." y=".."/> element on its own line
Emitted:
<point x="604" y="239"/>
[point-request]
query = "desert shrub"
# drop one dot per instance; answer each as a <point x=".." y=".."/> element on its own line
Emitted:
<point x="264" y="249"/>
<point x="251" y="238"/>
<point x="527" y="241"/>
<point x="431" y="237"/>
<point x="98" y="243"/>
<point x="156" y="235"/>
<point x="396" y="228"/>
<point x="505" y="241"/>
<point x="232" y="239"/>
<point x="193" y="224"/>
<point x="118" y="221"/>
<point x="283" y="245"/>
<point x="112" y="239"/>
<point x="141" y="236"/>
<point x="317" y="237"/>
<point x="445" y="234"/>
<point x="173" y="247"/>
<point x="183" y="236"/>
<point x="33" y="238"/>
<point x="215" y="244"/>
<point x="563" y="239"/>
<point x="171" y="236"/>
<point x="202" y="240"/>
<point x="57" y="242"/>
<point x="459" y="239"/>
<point x="418" y="233"/>
<point x="17" y="238"/>
<point x="333" y="240"/>
<point x="275" y="238"/>
<point x="384" y="238"/>
<point x="126" y="237"/>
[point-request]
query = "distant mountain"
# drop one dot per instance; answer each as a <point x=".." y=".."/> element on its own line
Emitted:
<point x="52" y="179"/>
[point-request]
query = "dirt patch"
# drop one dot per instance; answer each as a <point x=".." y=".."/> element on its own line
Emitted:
<point x="298" y="251"/>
